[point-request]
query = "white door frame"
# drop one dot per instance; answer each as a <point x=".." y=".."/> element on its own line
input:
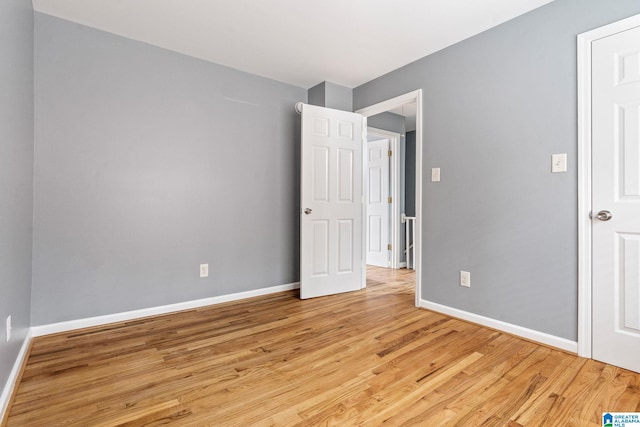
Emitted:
<point x="394" y="184"/>
<point x="584" y="176"/>
<point x="381" y="107"/>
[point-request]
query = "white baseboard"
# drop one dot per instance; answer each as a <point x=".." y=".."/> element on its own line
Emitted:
<point x="54" y="328"/>
<point x="12" y="381"/>
<point x="530" y="334"/>
<point x="402" y="265"/>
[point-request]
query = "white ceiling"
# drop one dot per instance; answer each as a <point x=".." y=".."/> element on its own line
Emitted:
<point x="301" y="42"/>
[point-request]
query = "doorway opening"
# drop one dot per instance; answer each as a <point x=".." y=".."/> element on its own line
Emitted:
<point x="384" y="197"/>
<point x="405" y="110"/>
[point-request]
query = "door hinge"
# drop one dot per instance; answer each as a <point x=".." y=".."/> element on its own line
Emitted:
<point x="389" y="247"/>
<point x="390" y="201"/>
<point x="389" y="153"/>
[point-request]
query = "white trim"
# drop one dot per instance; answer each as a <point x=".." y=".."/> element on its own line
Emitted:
<point x="363" y="200"/>
<point x="12" y="381"/>
<point x="530" y="334"/>
<point x="584" y="176"/>
<point x="394" y="183"/>
<point x="54" y="328"/>
<point x="390" y="104"/>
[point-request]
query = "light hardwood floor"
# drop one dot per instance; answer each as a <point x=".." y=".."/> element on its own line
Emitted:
<point x="363" y="358"/>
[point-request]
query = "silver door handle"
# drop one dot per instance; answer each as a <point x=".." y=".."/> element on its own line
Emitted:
<point x="604" y="215"/>
<point x="307" y="211"/>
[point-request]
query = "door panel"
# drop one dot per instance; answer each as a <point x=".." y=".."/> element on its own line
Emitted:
<point x="616" y="188"/>
<point x="345" y="176"/>
<point x="629" y="149"/>
<point x="378" y="208"/>
<point x="345" y="246"/>
<point x="320" y="175"/>
<point x="331" y="197"/>
<point x="320" y="254"/>
<point x="375" y="231"/>
<point x="630" y="283"/>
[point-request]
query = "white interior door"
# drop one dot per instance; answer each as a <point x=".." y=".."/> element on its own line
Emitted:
<point x="616" y="199"/>
<point x="331" y="259"/>
<point x="377" y="199"/>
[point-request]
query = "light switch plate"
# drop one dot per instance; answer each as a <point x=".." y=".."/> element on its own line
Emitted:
<point x="9" y="327"/>
<point x="465" y="279"/>
<point x="559" y="162"/>
<point x="204" y="270"/>
<point x="435" y="174"/>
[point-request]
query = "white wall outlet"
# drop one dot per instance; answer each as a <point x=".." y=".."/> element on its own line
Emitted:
<point x="559" y="162"/>
<point x="9" y="327"/>
<point x="435" y="174"/>
<point x="204" y="270"/>
<point x="465" y="279"/>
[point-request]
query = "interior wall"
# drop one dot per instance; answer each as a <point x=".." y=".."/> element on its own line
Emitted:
<point x="317" y="95"/>
<point x="410" y="174"/>
<point x="338" y="97"/>
<point x="149" y="163"/>
<point x="16" y="175"/>
<point x="331" y="95"/>
<point x="495" y="108"/>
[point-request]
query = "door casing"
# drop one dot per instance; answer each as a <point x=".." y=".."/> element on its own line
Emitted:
<point x="585" y="174"/>
<point x="390" y="104"/>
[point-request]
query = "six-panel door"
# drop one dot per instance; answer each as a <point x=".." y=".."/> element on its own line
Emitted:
<point x="331" y="197"/>
<point x="616" y="191"/>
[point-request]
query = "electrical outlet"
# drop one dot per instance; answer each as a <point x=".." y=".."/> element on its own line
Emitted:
<point x="9" y="328"/>
<point x="465" y="279"/>
<point x="435" y="174"/>
<point x="204" y="270"/>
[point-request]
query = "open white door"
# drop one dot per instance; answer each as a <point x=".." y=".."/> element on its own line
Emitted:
<point x="377" y="199"/>
<point x="616" y="199"/>
<point x="331" y="258"/>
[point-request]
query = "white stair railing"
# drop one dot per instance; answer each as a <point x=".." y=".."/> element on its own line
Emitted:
<point x="410" y="249"/>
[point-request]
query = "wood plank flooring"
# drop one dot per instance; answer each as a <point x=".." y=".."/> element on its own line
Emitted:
<point x="363" y="358"/>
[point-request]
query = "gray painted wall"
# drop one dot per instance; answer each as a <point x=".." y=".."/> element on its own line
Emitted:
<point x="410" y="174"/>
<point x="149" y="163"/>
<point x="317" y="95"/>
<point x="16" y="175"/>
<point x="331" y="95"/>
<point x="338" y="97"/>
<point x="387" y="121"/>
<point x="496" y="107"/>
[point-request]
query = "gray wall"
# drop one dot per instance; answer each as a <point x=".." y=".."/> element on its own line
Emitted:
<point x="496" y="107"/>
<point x="149" y="163"/>
<point x="338" y="97"/>
<point x="387" y="121"/>
<point x="331" y="95"/>
<point x="317" y="95"/>
<point x="16" y="175"/>
<point x="410" y="174"/>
